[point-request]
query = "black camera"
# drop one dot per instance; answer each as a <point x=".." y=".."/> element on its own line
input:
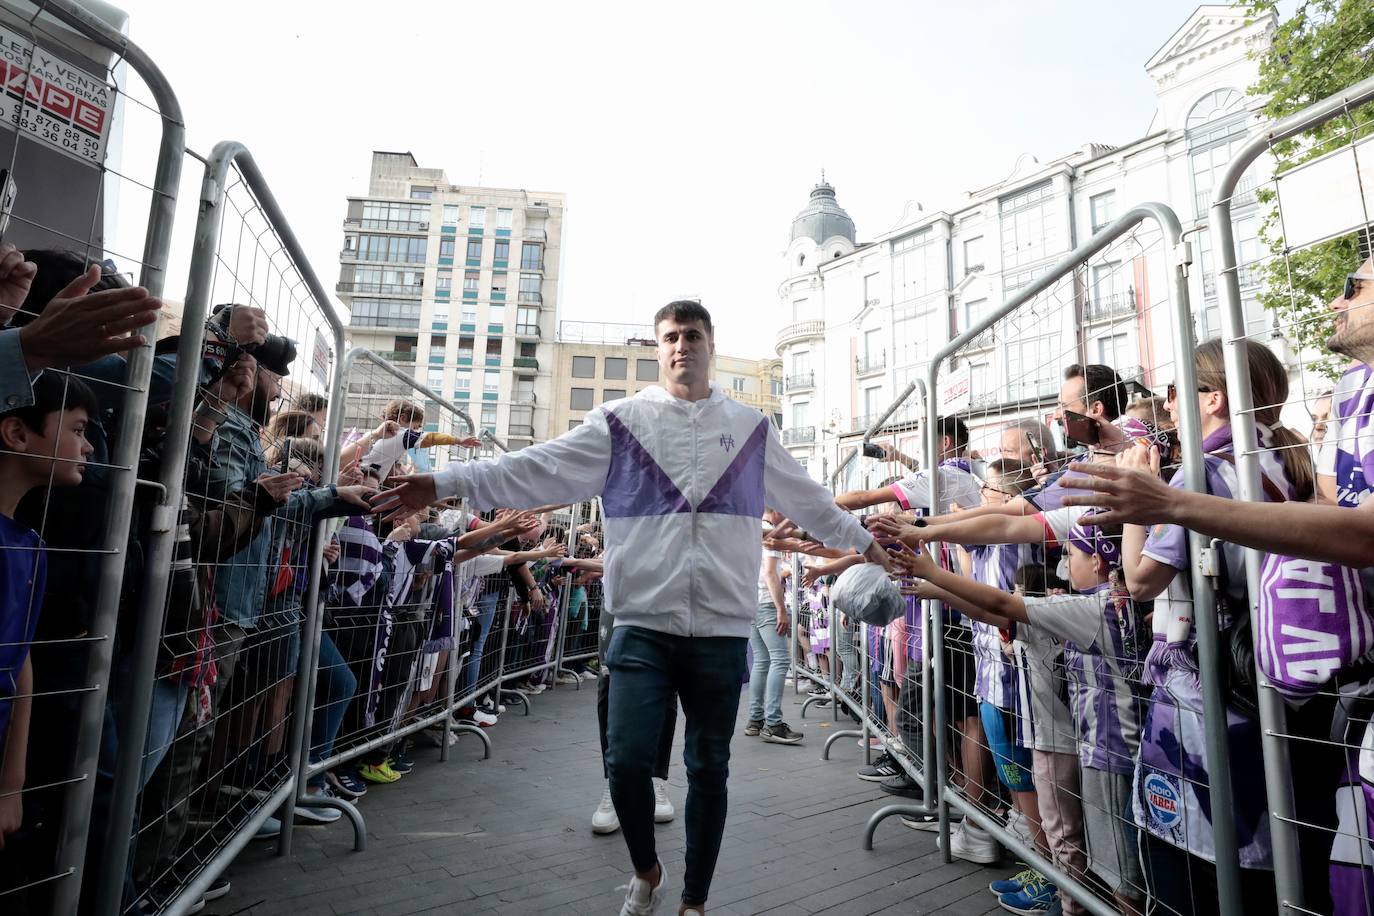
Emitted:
<point x="276" y="353"/>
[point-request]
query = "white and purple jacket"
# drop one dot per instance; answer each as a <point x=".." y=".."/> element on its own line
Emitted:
<point x="683" y="485"/>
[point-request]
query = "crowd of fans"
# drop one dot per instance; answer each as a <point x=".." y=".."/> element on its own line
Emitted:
<point x="406" y="604"/>
<point x="1063" y="583"/>
<point x="1073" y="685"/>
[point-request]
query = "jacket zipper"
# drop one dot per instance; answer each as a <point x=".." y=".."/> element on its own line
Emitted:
<point x="692" y="570"/>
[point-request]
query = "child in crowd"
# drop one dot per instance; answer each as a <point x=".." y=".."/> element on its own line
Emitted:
<point x="995" y="675"/>
<point x="41" y="445"/>
<point x="401" y="429"/>
<point x="1098" y="629"/>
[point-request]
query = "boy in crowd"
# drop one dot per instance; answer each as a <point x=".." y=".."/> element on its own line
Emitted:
<point x="43" y="444"/>
<point x="401" y="429"/>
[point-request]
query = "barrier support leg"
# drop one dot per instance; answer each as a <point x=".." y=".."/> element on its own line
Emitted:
<point x="515" y="696"/>
<point x="479" y="732"/>
<point x="836" y="736"/>
<point x="348" y="809"/>
<point x="883" y="814"/>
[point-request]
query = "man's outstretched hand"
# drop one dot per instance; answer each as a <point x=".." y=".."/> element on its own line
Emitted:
<point x="877" y="553"/>
<point x="408" y="496"/>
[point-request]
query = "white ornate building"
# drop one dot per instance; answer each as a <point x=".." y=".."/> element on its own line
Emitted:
<point x="859" y="320"/>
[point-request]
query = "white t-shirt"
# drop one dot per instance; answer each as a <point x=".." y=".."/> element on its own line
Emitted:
<point x="766" y="596"/>
<point x="386" y="452"/>
<point x="1040" y="657"/>
<point x="957" y="485"/>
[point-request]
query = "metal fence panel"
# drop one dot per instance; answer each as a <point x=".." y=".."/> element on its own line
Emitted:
<point x="79" y="79"/>
<point x="231" y="563"/>
<point x="1313" y="199"/>
<point x="1073" y="313"/>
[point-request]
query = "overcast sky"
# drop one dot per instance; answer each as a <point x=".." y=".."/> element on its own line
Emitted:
<point x="686" y="138"/>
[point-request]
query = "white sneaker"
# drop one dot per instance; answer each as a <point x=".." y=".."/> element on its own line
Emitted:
<point x="640" y="898"/>
<point x="435" y="736"/>
<point x="568" y="678"/>
<point x="874" y="742"/>
<point x="605" y="819"/>
<point x="663" y="805"/>
<point x="585" y="675"/>
<point x="270" y="829"/>
<point x="484" y="719"/>
<point x="972" y="844"/>
<point x="1020" y="826"/>
<point x="319" y="815"/>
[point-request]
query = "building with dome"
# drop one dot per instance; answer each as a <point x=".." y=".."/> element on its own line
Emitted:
<point x="859" y="320"/>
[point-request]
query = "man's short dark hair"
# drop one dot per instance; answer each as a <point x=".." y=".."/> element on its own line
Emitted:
<point x="57" y="268"/>
<point x="310" y="402"/>
<point x="1101" y="383"/>
<point x="682" y="311"/>
<point x="54" y="392"/>
<point x="955" y="428"/>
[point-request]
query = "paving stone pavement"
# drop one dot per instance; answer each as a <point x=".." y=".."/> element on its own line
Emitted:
<point x="512" y="835"/>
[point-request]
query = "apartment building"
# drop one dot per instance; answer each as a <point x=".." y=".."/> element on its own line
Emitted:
<point x="858" y="320"/>
<point x="458" y="285"/>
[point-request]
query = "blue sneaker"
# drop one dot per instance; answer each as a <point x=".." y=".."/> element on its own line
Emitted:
<point x="1037" y="896"/>
<point x="1014" y="884"/>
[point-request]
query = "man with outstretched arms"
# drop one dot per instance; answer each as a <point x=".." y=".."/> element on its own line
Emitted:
<point x="683" y="473"/>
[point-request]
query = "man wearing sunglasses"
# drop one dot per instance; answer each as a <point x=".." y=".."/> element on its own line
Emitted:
<point x="1317" y="532"/>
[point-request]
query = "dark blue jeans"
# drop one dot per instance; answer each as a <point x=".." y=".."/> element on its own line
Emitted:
<point x="706" y="672"/>
<point x="334" y="689"/>
<point x="486" y="613"/>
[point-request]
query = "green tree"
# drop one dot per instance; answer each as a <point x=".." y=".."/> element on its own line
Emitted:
<point x="1325" y="47"/>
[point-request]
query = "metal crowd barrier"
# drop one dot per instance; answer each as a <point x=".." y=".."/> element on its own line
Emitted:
<point x="227" y="580"/>
<point x="889" y="694"/>
<point x="579" y="641"/>
<point x="1049" y="325"/>
<point x="1319" y="217"/>
<point x="59" y="176"/>
<point x="392" y="632"/>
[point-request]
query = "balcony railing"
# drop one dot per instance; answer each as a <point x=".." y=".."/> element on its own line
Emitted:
<point x="535" y="235"/>
<point x="525" y="362"/>
<point x="397" y="356"/>
<point x="800" y="381"/>
<point x="799" y="435"/>
<point x="1109" y="306"/>
<point x="527" y="330"/>
<point x="1030" y="389"/>
<point x="528" y="298"/>
<point x="1243" y="195"/>
<point x="523" y="397"/>
<point x="870" y="363"/>
<point x="388" y="225"/>
<point x="984" y="341"/>
<point x="861" y="424"/>
<point x="521" y="429"/>
<point x="380" y="289"/>
<point x="1250" y="275"/>
<point x="802" y="330"/>
<point x="1131" y="373"/>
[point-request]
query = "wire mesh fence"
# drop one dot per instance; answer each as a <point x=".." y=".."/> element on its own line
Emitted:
<point x="1306" y="183"/>
<point x="71" y="448"/>
<point x="243" y="466"/>
<point x="201" y="589"/>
